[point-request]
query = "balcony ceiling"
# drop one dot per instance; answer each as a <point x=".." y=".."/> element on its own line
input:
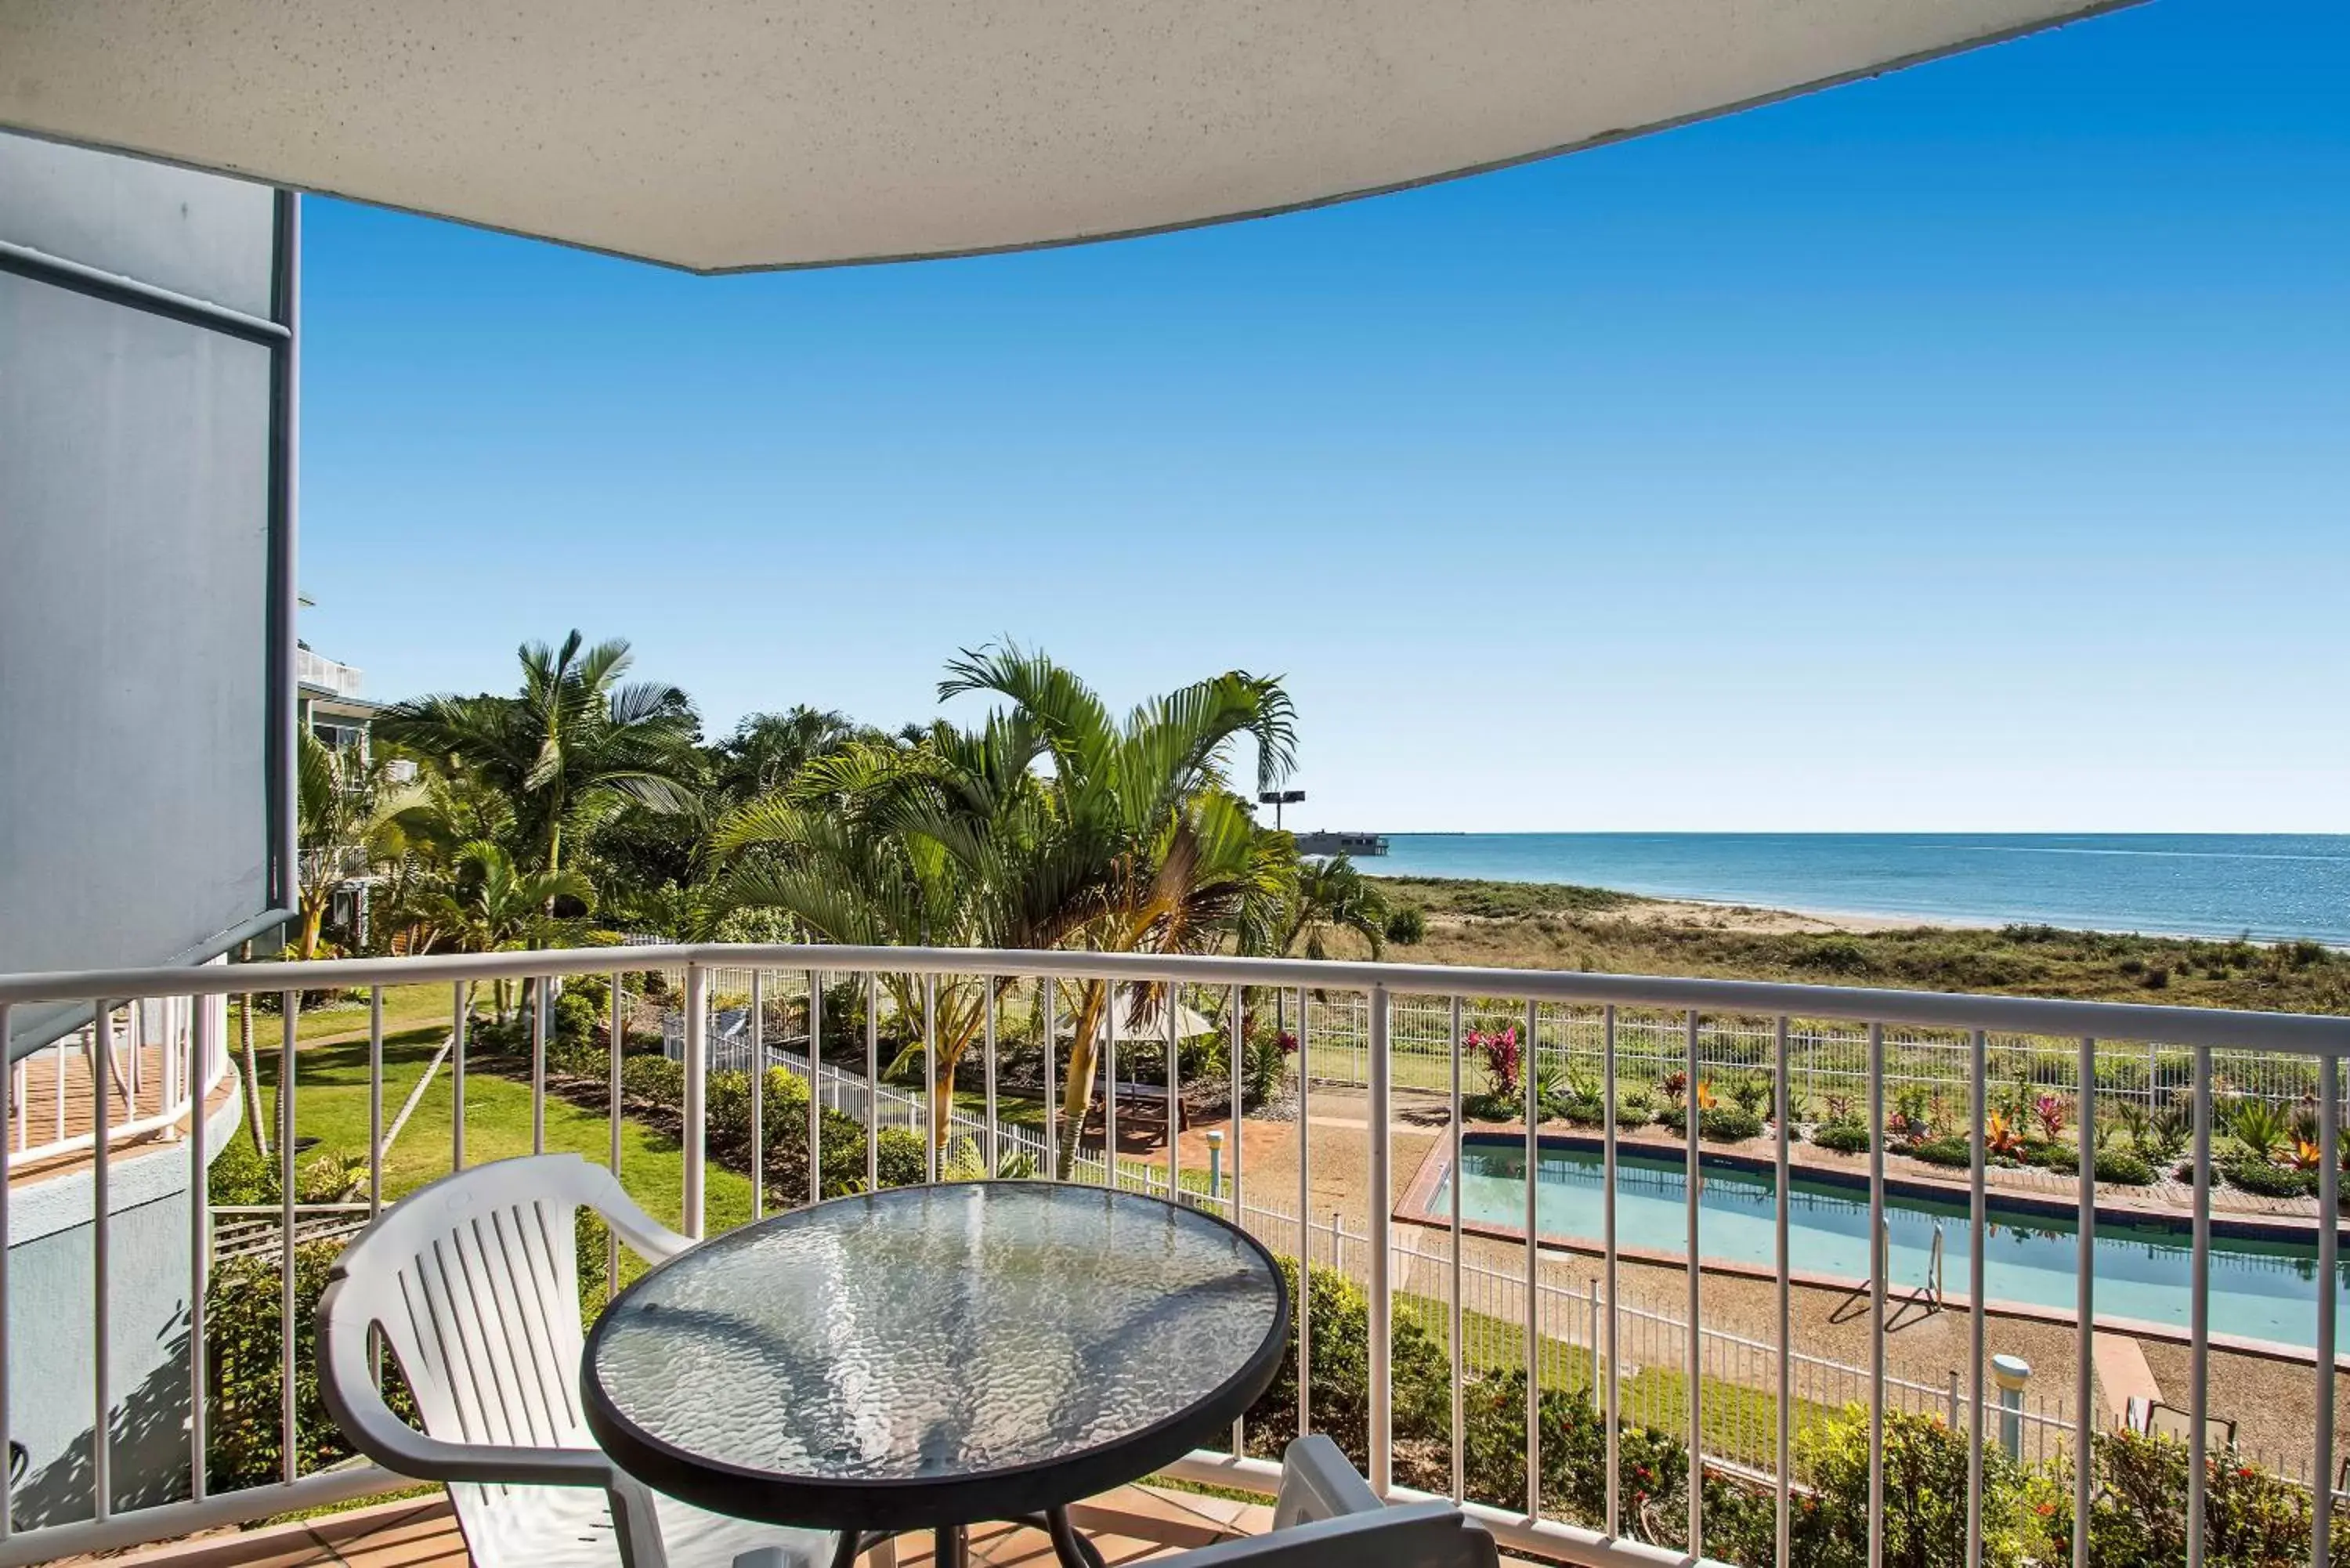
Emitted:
<point x="735" y="134"/>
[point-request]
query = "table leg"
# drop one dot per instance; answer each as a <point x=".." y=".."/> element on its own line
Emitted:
<point x="951" y="1547"/>
<point x="845" y="1552"/>
<point x="1072" y="1549"/>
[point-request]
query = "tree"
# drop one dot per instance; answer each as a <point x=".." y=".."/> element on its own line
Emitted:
<point x="1049" y="824"/>
<point x="1152" y="850"/>
<point x="574" y="746"/>
<point x="1327" y="896"/>
<point x="495" y="908"/>
<point x="348" y="813"/>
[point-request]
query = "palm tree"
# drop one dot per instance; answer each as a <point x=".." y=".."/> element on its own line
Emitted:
<point x="1049" y="824"/>
<point x="1154" y="853"/>
<point x="349" y="811"/>
<point x="1328" y="897"/>
<point x="495" y="907"/>
<point x="572" y="747"/>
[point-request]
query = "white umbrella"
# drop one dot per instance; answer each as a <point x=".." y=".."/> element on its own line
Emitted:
<point x="1188" y="1025"/>
<point x="727" y="134"/>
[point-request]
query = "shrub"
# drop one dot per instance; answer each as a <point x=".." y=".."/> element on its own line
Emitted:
<point x="1729" y="1124"/>
<point x="1419" y="1374"/>
<point x="655" y="1080"/>
<point x="243" y="1333"/>
<point x="240" y="1176"/>
<point x="1408" y="925"/>
<point x="2124" y="1167"/>
<point x="2051" y="1154"/>
<point x="2265" y="1177"/>
<point x="1652" y="1469"/>
<point x="1949" y="1149"/>
<point x="2138" y="1510"/>
<point x="1499" y="1048"/>
<point x="1843" y="1135"/>
<point x="1925" y="1496"/>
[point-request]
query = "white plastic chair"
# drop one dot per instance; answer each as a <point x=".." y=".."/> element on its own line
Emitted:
<point x="473" y="1283"/>
<point x="1326" y="1516"/>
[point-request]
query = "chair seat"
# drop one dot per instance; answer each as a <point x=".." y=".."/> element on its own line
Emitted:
<point x="571" y="1527"/>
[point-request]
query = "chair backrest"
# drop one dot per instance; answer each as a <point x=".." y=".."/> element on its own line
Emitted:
<point x="1414" y="1535"/>
<point x="2169" y="1421"/>
<point x="473" y="1283"/>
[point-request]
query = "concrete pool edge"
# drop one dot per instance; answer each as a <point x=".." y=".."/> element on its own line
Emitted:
<point x="1437" y="1163"/>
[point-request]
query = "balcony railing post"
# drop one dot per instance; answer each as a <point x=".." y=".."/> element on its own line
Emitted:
<point x="538" y="988"/>
<point x="101" y="1235"/>
<point x="457" y="1011"/>
<point x="9" y="1099"/>
<point x="1693" y="1188"/>
<point x="1979" y="1108"/>
<point x="1784" y="1114"/>
<point x="1382" y="1301"/>
<point x="1879" y="1263"/>
<point x="1175" y="1103"/>
<point x="2084" y="1388"/>
<point x="1532" y="1090"/>
<point x="697" y="1100"/>
<point x="2329" y="1243"/>
<point x="288" y="1403"/>
<point x="1452" y="1294"/>
<point x="815" y="1081"/>
<point x="1304" y="1232"/>
<point x="615" y="1044"/>
<point x="758" y="1043"/>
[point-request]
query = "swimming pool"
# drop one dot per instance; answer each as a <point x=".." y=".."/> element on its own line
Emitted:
<point x="2260" y="1288"/>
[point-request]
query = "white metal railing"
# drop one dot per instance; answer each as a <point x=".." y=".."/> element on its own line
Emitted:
<point x="930" y="988"/>
<point x="151" y="1072"/>
<point x="1826" y="1061"/>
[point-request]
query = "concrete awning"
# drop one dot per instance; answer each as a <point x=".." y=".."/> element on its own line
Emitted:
<point x="729" y="134"/>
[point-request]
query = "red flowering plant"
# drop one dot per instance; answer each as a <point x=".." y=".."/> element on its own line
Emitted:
<point x="1499" y="1047"/>
<point x="1287" y="1042"/>
<point x="2052" y="1113"/>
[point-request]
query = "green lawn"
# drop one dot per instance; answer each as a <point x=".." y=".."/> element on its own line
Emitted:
<point x="331" y="1103"/>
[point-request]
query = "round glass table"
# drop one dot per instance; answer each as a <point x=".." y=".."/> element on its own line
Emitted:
<point x="935" y="1357"/>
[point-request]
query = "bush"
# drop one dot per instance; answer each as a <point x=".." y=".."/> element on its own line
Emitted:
<point x="654" y="1080"/>
<point x="241" y="1176"/>
<point x="2123" y="1167"/>
<point x="1420" y="1374"/>
<point x="1950" y="1149"/>
<point x="1652" y="1469"/>
<point x="2138" y="1510"/>
<point x="1408" y="925"/>
<point x="2266" y="1177"/>
<point x="1729" y="1124"/>
<point x="1718" y="1124"/>
<point x="1845" y="1135"/>
<point x="2051" y="1153"/>
<point x="244" y="1334"/>
<point x="1924" y="1498"/>
<point x="658" y="1081"/>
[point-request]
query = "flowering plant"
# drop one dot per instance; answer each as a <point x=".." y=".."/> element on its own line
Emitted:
<point x="2051" y="1112"/>
<point x="1287" y="1042"/>
<point x="1500" y="1049"/>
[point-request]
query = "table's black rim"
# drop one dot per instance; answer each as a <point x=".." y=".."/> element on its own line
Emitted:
<point x="914" y="1503"/>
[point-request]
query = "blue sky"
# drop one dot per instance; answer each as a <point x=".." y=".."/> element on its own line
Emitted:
<point x="1964" y="448"/>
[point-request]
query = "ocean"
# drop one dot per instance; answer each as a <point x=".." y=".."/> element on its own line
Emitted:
<point x="2272" y="886"/>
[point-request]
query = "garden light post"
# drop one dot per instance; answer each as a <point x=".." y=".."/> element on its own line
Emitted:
<point x="2010" y="1373"/>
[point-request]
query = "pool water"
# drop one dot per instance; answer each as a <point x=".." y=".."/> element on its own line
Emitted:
<point x="2262" y="1290"/>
